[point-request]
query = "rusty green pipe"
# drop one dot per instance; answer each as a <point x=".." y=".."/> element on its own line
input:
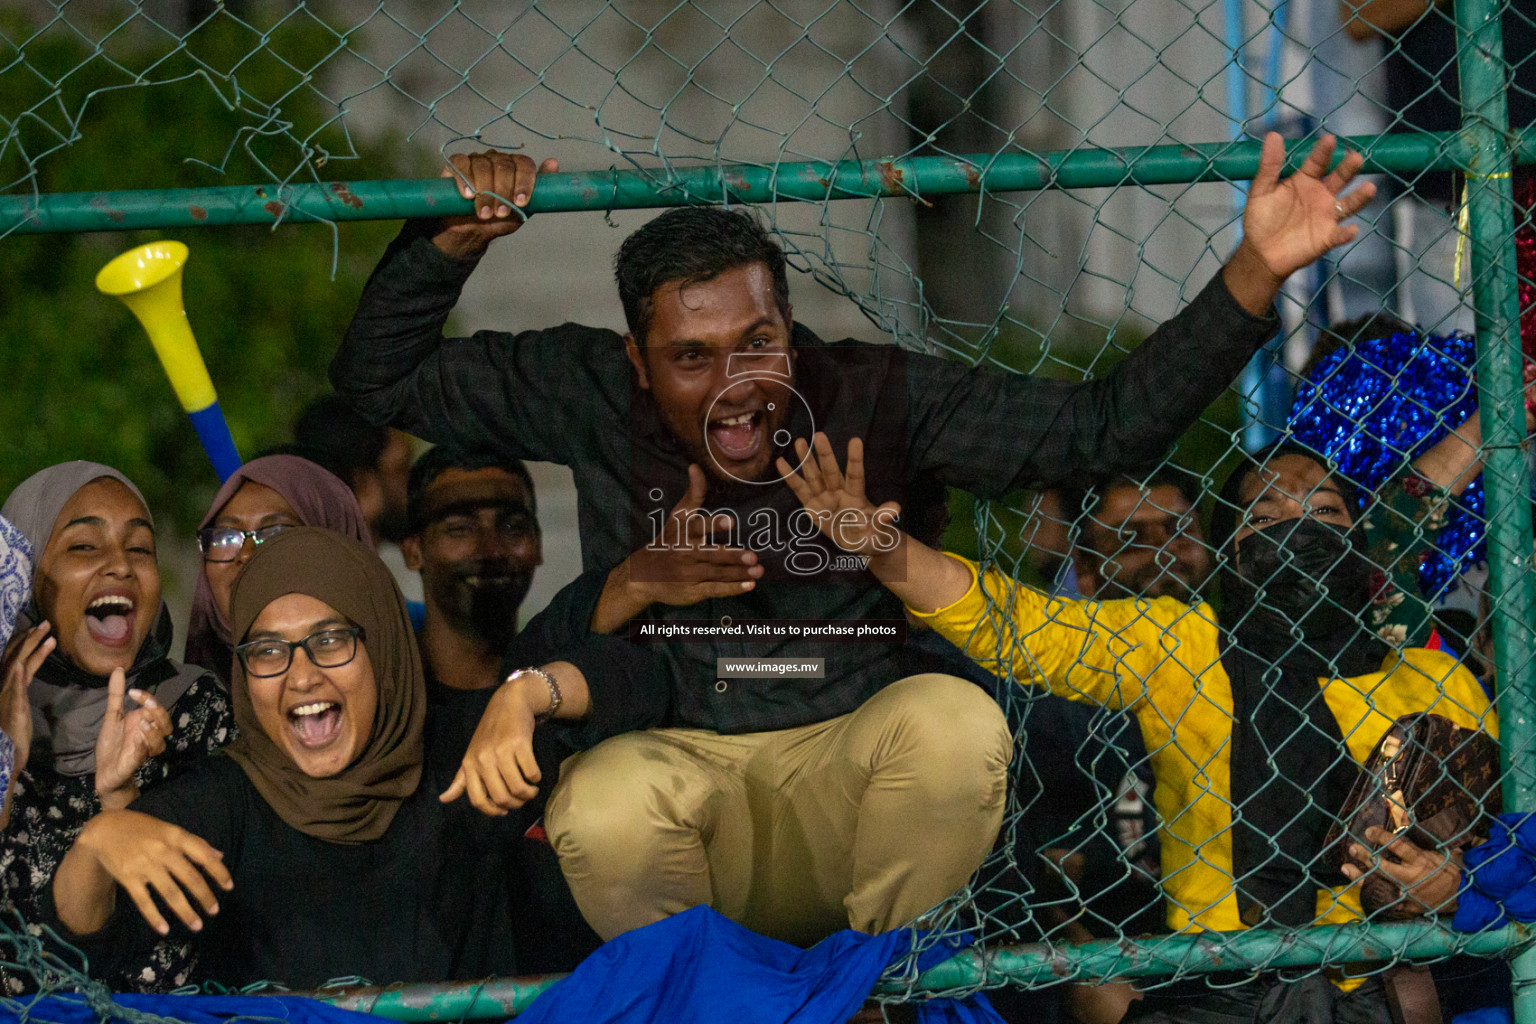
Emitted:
<point x="1010" y="171"/>
<point x="1034" y="965"/>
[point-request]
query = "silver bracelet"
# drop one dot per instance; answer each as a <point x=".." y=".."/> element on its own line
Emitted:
<point x="555" y="697"/>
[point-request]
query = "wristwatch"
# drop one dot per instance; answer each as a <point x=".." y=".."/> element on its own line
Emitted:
<point x="555" y="697"/>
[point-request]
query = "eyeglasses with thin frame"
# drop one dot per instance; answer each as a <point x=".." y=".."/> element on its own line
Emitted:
<point x="331" y="647"/>
<point x="223" y="543"/>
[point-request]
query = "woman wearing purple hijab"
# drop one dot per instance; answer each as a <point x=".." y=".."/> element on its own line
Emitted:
<point x="260" y="500"/>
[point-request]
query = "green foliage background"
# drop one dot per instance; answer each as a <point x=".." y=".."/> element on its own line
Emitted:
<point x="80" y="378"/>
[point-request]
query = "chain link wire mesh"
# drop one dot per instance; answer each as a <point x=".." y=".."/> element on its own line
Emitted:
<point x="1123" y="830"/>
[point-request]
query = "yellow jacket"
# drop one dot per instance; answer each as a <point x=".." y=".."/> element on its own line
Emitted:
<point x="1158" y="659"/>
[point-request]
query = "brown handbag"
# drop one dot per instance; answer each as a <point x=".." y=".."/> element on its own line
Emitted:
<point x="1428" y="779"/>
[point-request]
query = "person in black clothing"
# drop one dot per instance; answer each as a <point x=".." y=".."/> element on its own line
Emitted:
<point x="714" y="377"/>
<point x="320" y="847"/>
<point x="375" y="462"/>
<point x="1423" y="94"/>
<point x="474" y="537"/>
<point x="1139" y="537"/>
<point x="98" y="589"/>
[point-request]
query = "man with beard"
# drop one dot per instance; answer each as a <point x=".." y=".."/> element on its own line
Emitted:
<point x="1142" y="538"/>
<point x="862" y="793"/>
<point x="1138" y="537"/>
<point x="475" y="540"/>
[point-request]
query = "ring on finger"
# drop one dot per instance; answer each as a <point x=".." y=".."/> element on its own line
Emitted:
<point x="1338" y="210"/>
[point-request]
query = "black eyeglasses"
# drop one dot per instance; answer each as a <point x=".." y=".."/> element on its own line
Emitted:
<point x="327" y="648"/>
<point x="223" y="543"/>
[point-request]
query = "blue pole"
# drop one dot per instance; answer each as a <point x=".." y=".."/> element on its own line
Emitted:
<point x="213" y="430"/>
<point x="1253" y="384"/>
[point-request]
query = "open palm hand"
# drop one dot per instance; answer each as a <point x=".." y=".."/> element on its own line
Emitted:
<point x="836" y="500"/>
<point x="1291" y="223"/>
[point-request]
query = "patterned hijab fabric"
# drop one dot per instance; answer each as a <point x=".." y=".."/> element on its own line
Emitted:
<point x="357" y="804"/>
<point x="15" y="577"/>
<point x="15" y="592"/>
<point x="316" y="496"/>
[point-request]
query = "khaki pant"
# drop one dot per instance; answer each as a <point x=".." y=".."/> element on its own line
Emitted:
<point x="863" y="821"/>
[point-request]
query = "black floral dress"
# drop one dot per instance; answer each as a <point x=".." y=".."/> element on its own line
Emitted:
<point x="49" y="809"/>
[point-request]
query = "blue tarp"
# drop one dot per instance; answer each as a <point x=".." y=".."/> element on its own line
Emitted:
<point x="694" y="968"/>
<point x="1500" y="877"/>
<point x="72" y="1009"/>
<point x="700" y="968"/>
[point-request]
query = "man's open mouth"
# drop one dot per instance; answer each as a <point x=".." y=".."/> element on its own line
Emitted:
<point x="109" y="620"/>
<point x="315" y="724"/>
<point x="739" y="437"/>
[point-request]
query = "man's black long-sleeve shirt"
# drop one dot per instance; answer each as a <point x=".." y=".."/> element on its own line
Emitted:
<point x="568" y="395"/>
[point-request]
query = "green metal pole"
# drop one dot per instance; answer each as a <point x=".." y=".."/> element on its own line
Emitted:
<point x="1019" y="171"/>
<point x="496" y="999"/>
<point x="1484" y="78"/>
<point x="1255" y="949"/>
<point x="1506" y="475"/>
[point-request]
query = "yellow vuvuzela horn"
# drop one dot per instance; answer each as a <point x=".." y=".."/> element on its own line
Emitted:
<point x="148" y="280"/>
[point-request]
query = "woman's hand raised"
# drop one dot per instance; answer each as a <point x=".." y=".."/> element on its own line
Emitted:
<point x="23" y="658"/>
<point x="126" y="741"/>
<point x="145" y="856"/>
<point x="923" y="578"/>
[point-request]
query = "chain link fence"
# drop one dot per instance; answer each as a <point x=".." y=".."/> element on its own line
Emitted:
<point x="1028" y="185"/>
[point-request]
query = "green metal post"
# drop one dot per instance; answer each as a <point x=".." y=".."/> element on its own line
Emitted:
<point x="1196" y="953"/>
<point x="1255" y="949"/>
<point x="1485" y="121"/>
<point x="1014" y="171"/>
<point x="496" y="999"/>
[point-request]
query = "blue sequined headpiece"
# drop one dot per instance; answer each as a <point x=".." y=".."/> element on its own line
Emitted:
<point x="1373" y="405"/>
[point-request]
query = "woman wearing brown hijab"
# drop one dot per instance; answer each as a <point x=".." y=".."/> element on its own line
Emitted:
<point x="319" y="848"/>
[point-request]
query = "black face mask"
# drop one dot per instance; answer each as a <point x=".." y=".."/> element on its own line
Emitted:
<point x="1305" y="572"/>
<point x="487" y="611"/>
<point x="492" y="613"/>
